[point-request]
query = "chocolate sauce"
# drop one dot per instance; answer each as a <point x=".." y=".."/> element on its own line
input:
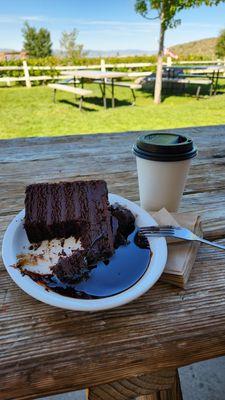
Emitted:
<point x="125" y="268"/>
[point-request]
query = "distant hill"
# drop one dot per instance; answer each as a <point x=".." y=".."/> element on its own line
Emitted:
<point x="113" y="53"/>
<point x="7" y="50"/>
<point x="203" y="47"/>
<point x="119" y="53"/>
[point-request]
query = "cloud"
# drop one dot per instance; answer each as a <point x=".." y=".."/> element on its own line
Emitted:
<point x="86" y="27"/>
<point x="199" y="25"/>
<point x="119" y="31"/>
<point x="110" y="22"/>
<point x="12" y="19"/>
<point x="99" y="33"/>
<point x="37" y="18"/>
<point x="141" y="26"/>
<point x="84" y="22"/>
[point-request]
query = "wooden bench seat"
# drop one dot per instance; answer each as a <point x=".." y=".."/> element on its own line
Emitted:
<point x="71" y="89"/>
<point x="183" y="80"/>
<point x="194" y="81"/>
<point x="130" y="85"/>
<point x="139" y="74"/>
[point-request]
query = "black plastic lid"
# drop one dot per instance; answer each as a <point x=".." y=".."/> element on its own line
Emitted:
<point x="164" y="147"/>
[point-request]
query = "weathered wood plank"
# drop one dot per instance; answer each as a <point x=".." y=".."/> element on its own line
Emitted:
<point x="165" y="328"/>
<point x="45" y="350"/>
<point x="81" y="155"/>
<point x="201" y="177"/>
<point x="71" y="89"/>
<point x="122" y="142"/>
<point x="205" y="137"/>
<point x="163" y="385"/>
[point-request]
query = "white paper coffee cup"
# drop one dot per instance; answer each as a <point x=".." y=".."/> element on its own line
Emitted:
<point x="163" y="162"/>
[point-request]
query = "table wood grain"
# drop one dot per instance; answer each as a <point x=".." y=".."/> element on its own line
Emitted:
<point x="45" y="350"/>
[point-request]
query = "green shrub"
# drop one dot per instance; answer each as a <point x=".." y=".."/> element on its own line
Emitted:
<point x="220" y="45"/>
<point x="53" y="61"/>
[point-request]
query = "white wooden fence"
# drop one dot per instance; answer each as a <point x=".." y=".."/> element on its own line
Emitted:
<point x="27" y="78"/>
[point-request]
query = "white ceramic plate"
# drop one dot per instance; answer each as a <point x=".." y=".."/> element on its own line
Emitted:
<point x="15" y="240"/>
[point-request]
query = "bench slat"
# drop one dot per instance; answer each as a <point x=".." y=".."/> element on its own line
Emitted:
<point x="75" y="90"/>
<point x="178" y="80"/>
<point x="129" y="85"/>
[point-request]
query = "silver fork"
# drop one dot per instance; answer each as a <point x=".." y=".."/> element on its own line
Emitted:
<point x="175" y="232"/>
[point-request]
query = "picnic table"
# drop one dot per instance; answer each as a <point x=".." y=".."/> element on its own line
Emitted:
<point x="100" y="77"/>
<point x="136" y="349"/>
<point x="200" y="75"/>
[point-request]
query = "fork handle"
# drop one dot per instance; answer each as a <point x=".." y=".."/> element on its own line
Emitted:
<point x="220" y="246"/>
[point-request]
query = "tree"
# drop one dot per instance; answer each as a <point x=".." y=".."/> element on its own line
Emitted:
<point x="44" y="44"/>
<point x="29" y="35"/>
<point x="166" y="11"/>
<point x="220" y="45"/>
<point x="37" y="42"/>
<point x="69" y="45"/>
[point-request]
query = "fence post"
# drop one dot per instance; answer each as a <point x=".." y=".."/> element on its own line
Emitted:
<point x="26" y="74"/>
<point x="103" y="69"/>
<point x="168" y="61"/>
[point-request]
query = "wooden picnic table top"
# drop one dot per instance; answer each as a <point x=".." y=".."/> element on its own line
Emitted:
<point x="95" y="74"/>
<point x="45" y="350"/>
<point x="196" y="67"/>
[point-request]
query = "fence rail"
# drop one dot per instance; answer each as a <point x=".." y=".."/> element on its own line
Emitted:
<point x="102" y="66"/>
<point x="75" y="67"/>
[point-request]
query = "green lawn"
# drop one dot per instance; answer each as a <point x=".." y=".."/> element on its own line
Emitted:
<point x="31" y="112"/>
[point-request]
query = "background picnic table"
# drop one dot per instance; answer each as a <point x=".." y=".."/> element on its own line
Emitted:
<point x="45" y="350"/>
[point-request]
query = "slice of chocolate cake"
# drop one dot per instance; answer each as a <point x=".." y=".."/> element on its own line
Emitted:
<point x="79" y="208"/>
<point x="72" y="268"/>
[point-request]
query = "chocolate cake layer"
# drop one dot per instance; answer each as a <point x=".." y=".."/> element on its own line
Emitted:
<point x="79" y="208"/>
<point x="76" y="267"/>
<point x="72" y="268"/>
<point x="122" y="222"/>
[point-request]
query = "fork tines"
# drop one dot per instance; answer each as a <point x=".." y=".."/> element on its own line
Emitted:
<point x="159" y="231"/>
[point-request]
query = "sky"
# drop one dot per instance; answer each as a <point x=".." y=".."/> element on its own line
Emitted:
<point x="103" y="24"/>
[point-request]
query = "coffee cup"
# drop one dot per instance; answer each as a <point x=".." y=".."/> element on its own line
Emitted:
<point x="163" y="162"/>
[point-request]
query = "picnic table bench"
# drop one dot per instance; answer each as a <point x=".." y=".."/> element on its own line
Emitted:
<point x="208" y="75"/>
<point x="75" y="90"/>
<point x="101" y="78"/>
<point x="134" y="350"/>
<point x="187" y="80"/>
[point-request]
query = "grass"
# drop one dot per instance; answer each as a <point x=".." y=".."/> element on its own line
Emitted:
<point x="31" y="112"/>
